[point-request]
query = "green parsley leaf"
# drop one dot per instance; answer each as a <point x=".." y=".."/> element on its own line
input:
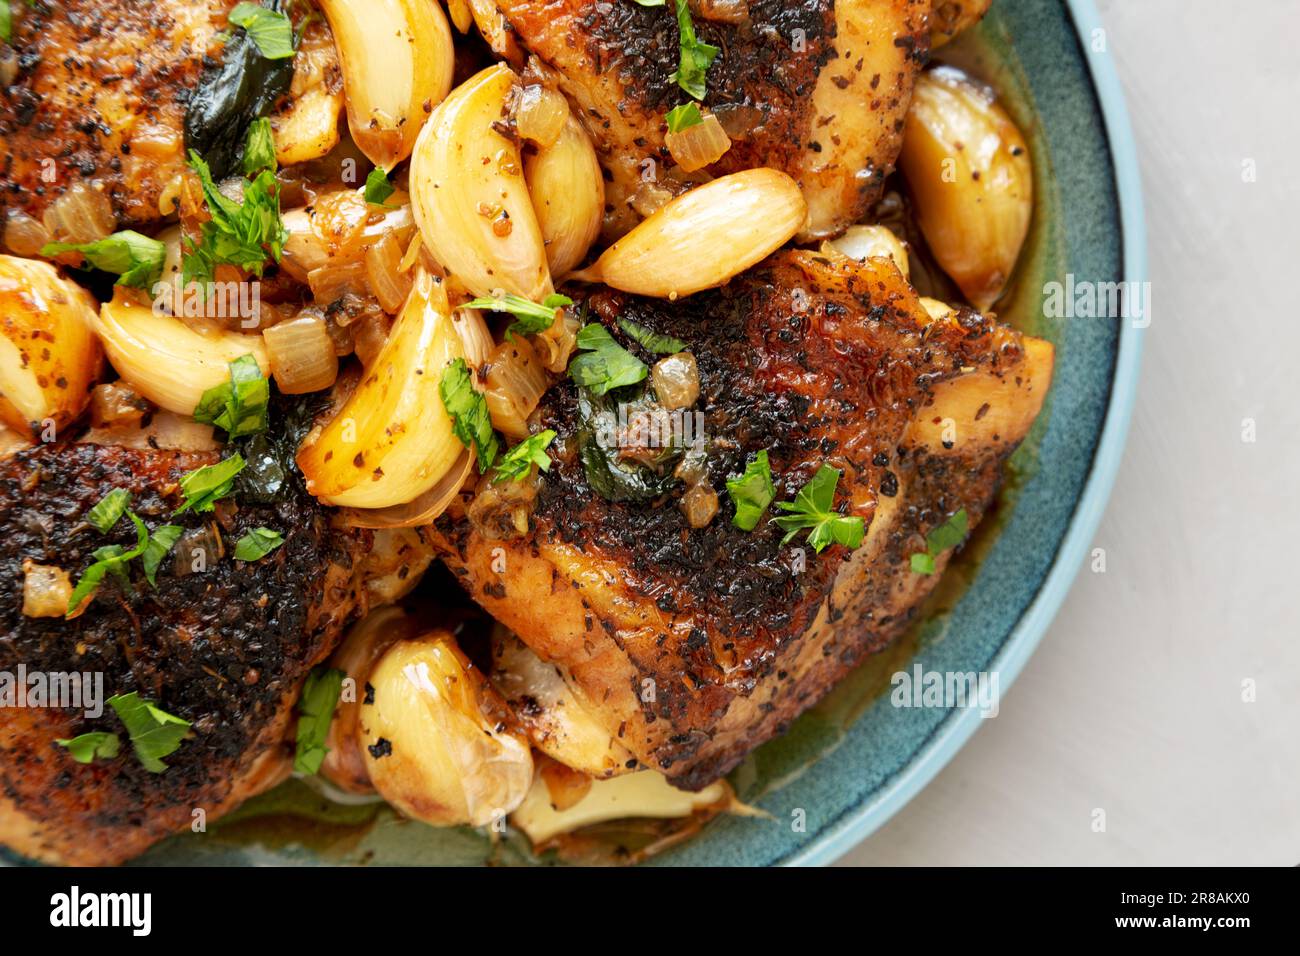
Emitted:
<point x="160" y="545"/>
<point x="239" y="405"/>
<point x="154" y="732"/>
<point x="469" y="413"/>
<point x="696" y="56"/>
<point x="6" y="22"/>
<point x="604" y="364"/>
<point x="947" y="535"/>
<point x="87" y="747"/>
<point x="243" y="234"/>
<point x="813" y="508"/>
<point x="271" y="31"/>
<point x="752" y="492"/>
<point x="533" y="318"/>
<point x="649" y="339"/>
<point x="259" y="153"/>
<point x="257" y="544"/>
<point x="137" y="260"/>
<point x="684" y="117"/>
<point x="378" y="187"/>
<point x="204" y="486"/>
<point x="109" y="510"/>
<point x="517" y="463"/>
<point x="320" y="696"/>
<point x="111" y="559"/>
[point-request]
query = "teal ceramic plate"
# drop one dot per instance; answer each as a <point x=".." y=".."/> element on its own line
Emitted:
<point x="846" y="766"/>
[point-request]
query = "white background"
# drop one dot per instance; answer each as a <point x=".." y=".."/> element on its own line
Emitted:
<point x="1133" y="702"/>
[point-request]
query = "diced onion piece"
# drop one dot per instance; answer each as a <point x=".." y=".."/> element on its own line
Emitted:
<point x="392" y="440"/>
<point x="82" y="214"/>
<point x="164" y="359"/>
<point x="676" y="380"/>
<point x="46" y="590"/>
<point x="165" y="431"/>
<point x="699" y="505"/>
<point x="384" y="270"/>
<point x="697" y="146"/>
<point x="338" y="228"/>
<point x="302" y="355"/>
<point x="25" y="236"/>
<point x="331" y="282"/>
<point x="722" y="11"/>
<point x="540" y="114"/>
<point x="516" y="382"/>
<point x="116" y="403"/>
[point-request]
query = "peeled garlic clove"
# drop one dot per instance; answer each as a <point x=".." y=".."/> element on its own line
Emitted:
<point x="397" y="61"/>
<point x="309" y="126"/>
<point x="970" y="175"/>
<point x="392" y="440"/>
<point x="568" y="192"/>
<point x="49" y="358"/>
<point x="438" y="743"/>
<point x="872" y="242"/>
<point x="704" y="237"/>
<point x="470" y="197"/>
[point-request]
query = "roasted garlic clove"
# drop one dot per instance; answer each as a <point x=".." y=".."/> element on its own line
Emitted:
<point x="397" y="61"/>
<point x="470" y="197"/>
<point x="49" y="358"/>
<point x="167" y="361"/>
<point x="438" y="745"/>
<point x="568" y="193"/>
<point x="392" y="440"/>
<point x="969" y="172"/>
<point x="951" y="17"/>
<point x="872" y="242"/>
<point x="308" y="128"/>
<point x="704" y="237"/>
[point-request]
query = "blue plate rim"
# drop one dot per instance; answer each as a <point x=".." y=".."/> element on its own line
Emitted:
<point x="854" y="826"/>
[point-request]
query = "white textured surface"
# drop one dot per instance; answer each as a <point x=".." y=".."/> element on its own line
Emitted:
<point x="1133" y="703"/>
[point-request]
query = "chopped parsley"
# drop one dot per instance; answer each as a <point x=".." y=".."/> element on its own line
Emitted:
<point x="244" y="234"/>
<point x="204" y="486"/>
<point x="270" y="30"/>
<point x="259" y="152"/>
<point x="320" y="696"/>
<point x="154" y="732"/>
<point x="160" y="545"/>
<point x="87" y="747"/>
<point x="257" y="544"/>
<point x="111" y="559"/>
<point x="752" y="492"/>
<point x="238" y="406"/>
<point x="532" y="318"/>
<point x="378" y="187"/>
<point x="604" y="364"/>
<point x="813" y="508"/>
<point x="109" y="510"/>
<point x="649" y="339"/>
<point x="684" y="117"/>
<point x="469" y="413"/>
<point x="948" y="535"/>
<point x="517" y="463"/>
<point x="696" y="56"/>
<point x="136" y="260"/>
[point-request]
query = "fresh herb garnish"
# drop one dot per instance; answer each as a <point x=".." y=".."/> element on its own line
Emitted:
<point x="649" y="339"/>
<point x="243" y="235"/>
<point x="259" y="152"/>
<point x="160" y="545"/>
<point x="696" y="56"/>
<point x="204" y="486"/>
<point x="137" y="260"/>
<point x="517" y="463"/>
<point x="87" y="747"/>
<point x="813" y="508"/>
<point x="111" y="559"/>
<point x="320" y="696"/>
<point x="532" y="318"/>
<point x="109" y="510"/>
<point x="271" y="31"/>
<point x="752" y="492"/>
<point x="6" y="22"/>
<point x="469" y="413"/>
<point x="604" y="364"/>
<point x="238" y="406"/>
<point x="684" y="117"/>
<point x="948" y="535"/>
<point x="257" y="544"/>
<point x="378" y="187"/>
<point x="154" y="732"/>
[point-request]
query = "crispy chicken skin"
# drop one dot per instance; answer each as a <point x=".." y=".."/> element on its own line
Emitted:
<point x="815" y="88"/>
<point x="100" y="98"/>
<point x="695" y="646"/>
<point x="226" y="649"/>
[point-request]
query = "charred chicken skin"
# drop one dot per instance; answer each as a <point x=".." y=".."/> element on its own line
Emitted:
<point x="691" y="646"/>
